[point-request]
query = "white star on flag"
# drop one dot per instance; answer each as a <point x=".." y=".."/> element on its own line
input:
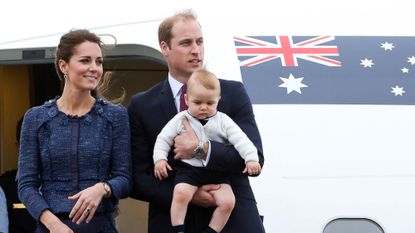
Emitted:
<point x="387" y="46"/>
<point x="397" y="90"/>
<point x="405" y="70"/>
<point x="292" y="84"/>
<point x="367" y="63"/>
<point x="411" y="60"/>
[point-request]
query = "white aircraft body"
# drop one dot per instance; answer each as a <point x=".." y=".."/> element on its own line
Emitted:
<point x="328" y="167"/>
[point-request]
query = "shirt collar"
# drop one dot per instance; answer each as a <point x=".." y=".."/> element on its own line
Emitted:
<point x="175" y="86"/>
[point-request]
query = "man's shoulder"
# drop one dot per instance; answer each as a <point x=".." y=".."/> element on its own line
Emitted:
<point x="230" y="82"/>
<point x="231" y="88"/>
<point x="149" y="93"/>
<point x="227" y="85"/>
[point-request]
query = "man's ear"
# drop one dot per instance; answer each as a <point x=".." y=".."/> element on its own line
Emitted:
<point x="164" y="47"/>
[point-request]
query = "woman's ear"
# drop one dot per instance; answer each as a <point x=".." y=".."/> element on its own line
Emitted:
<point x="63" y="66"/>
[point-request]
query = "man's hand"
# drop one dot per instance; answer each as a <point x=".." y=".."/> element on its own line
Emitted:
<point x="204" y="195"/>
<point x="186" y="142"/>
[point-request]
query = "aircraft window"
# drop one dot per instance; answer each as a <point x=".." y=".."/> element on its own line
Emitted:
<point x="353" y="225"/>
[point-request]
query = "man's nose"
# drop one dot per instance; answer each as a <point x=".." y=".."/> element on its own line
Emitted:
<point x="195" y="48"/>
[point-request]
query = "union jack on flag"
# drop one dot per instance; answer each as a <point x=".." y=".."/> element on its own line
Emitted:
<point x="262" y="49"/>
<point x="328" y="69"/>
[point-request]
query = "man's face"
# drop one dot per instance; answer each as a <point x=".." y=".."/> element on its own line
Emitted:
<point x="186" y="51"/>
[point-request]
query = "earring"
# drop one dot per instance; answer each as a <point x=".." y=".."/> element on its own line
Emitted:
<point x="65" y="76"/>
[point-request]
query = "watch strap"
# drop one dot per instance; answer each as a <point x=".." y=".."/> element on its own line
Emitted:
<point x="107" y="189"/>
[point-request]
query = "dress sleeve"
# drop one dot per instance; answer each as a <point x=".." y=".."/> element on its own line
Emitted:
<point x="120" y="181"/>
<point x="29" y="166"/>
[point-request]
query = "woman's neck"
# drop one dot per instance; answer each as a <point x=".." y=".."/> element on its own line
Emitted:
<point x="75" y="103"/>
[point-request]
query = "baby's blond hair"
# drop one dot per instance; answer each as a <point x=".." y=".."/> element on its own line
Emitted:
<point x="205" y="78"/>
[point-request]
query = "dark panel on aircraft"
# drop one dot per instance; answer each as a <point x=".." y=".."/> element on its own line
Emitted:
<point x="46" y="83"/>
<point x="33" y="54"/>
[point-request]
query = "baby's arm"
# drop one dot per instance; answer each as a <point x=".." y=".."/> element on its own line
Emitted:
<point x="162" y="147"/>
<point x="252" y="168"/>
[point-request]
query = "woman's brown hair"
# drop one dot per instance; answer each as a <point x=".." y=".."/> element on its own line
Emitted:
<point x="66" y="49"/>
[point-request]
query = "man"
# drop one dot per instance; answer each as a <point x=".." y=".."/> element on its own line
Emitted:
<point x="181" y="43"/>
<point x="17" y="212"/>
<point x="4" y="219"/>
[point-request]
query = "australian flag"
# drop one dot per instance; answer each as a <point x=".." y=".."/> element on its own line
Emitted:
<point x="328" y="69"/>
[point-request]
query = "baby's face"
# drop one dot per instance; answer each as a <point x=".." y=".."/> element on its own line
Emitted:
<point x="202" y="102"/>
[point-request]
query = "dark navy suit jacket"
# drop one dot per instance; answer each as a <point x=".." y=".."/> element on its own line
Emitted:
<point x="149" y="111"/>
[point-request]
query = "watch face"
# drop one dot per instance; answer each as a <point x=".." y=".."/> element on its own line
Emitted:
<point x="199" y="153"/>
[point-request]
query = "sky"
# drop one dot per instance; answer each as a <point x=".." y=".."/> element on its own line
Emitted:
<point x="23" y="19"/>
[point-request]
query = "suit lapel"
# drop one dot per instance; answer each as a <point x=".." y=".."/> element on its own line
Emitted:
<point x="167" y="101"/>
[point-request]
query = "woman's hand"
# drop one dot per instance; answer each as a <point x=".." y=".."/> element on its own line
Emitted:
<point x="87" y="202"/>
<point x="60" y="228"/>
<point x="53" y="223"/>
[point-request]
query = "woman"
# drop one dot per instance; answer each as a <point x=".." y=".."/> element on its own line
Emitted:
<point x="75" y="161"/>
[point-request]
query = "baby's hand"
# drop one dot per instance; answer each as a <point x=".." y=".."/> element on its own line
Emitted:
<point x="160" y="169"/>
<point x="252" y="168"/>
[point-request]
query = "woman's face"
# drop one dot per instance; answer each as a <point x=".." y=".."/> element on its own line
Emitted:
<point x="84" y="68"/>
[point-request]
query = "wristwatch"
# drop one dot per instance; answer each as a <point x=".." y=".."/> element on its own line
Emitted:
<point x="199" y="152"/>
<point x="107" y="189"/>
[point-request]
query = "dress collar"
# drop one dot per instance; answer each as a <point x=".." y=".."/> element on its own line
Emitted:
<point x="52" y="109"/>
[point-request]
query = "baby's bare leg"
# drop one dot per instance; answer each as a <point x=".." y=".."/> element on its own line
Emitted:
<point x="225" y="201"/>
<point x="182" y="195"/>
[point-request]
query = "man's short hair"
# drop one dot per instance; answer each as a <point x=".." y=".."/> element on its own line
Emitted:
<point x="165" y="27"/>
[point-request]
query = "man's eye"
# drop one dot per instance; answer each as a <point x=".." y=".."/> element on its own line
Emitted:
<point x="186" y="42"/>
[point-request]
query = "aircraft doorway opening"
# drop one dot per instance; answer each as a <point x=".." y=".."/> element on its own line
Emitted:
<point x="28" y="78"/>
<point x="129" y="75"/>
